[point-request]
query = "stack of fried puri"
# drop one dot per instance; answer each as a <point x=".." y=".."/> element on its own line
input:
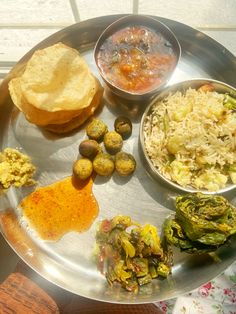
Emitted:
<point x="57" y="90"/>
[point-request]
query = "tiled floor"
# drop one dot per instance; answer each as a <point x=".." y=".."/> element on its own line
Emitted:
<point x="23" y="23"/>
<point x="35" y="12"/>
<point x="198" y="13"/>
<point x="90" y="8"/>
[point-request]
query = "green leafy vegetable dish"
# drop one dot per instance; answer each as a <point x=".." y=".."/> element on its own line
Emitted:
<point x="201" y="224"/>
<point x="131" y="254"/>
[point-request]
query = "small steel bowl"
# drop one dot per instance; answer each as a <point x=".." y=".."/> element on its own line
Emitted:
<point x="181" y="86"/>
<point x="156" y="26"/>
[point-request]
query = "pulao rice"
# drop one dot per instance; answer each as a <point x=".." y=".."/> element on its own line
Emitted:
<point x="191" y="139"/>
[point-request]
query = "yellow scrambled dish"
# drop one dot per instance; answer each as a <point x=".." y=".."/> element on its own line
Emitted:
<point x="15" y="169"/>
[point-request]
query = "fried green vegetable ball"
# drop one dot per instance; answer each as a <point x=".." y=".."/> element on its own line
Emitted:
<point x="113" y="142"/>
<point x="103" y="164"/>
<point x="89" y="148"/>
<point x="125" y="163"/>
<point x="123" y="126"/>
<point x="96" y="130"/>
<point x="82" y="168"/>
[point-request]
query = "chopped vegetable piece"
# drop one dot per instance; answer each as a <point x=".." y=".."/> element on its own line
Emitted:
<point x="163" y="270"/>
<point x="131" y="285"/>
<point x="128" y="247"/>
<point x="153" y="271"/>
<point x="230" y="102"/>
<point x="140" y="266"/>
<point x="144" y="280"/>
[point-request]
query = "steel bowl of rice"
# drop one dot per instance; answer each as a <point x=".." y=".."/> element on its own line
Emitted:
<point x="188" y="136"/>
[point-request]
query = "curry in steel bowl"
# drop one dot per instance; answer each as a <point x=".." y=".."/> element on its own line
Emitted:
<point x="188" y="136"/>
<point x="136" y="56"/>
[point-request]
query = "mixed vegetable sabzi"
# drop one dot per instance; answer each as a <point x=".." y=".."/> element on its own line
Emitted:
<point x="131" y="257"/>
<point x="202" y="223"/>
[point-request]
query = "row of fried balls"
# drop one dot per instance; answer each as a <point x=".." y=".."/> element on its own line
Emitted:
<point x="104" y="163"/>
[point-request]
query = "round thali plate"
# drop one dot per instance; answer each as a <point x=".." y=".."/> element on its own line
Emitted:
<point x="69" y="262"/>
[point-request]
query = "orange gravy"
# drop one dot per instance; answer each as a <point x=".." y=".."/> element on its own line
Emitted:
<point x="67" y="205"/>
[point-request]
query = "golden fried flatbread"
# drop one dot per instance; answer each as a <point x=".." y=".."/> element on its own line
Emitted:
<point x="80" y="119"/>
<point x="35" y="115"/>
<point x="55" y="87"/>
<point x="58" y="78"/>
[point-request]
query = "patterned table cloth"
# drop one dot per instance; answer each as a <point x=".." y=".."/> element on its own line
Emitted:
<point x="217" y="296"/>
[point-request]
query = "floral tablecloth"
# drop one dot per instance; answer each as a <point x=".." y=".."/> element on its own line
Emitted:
<point x="215" y="297"/>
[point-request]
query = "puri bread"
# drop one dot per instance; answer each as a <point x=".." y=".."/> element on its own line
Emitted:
<point x="81" y="118"/>
<point x="58" y="78"/>
<point x="35" y="115"/>
<point x="55" y="87"/>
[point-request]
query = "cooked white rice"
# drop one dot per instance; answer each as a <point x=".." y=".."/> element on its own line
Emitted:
<point x="191" y="139"/>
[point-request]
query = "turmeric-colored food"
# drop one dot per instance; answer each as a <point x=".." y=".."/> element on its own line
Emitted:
<point x="15" y="169"/>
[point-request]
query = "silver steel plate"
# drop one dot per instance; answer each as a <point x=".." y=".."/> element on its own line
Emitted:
<point x="69" y="262"/>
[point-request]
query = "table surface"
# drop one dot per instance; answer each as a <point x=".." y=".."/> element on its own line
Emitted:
<point x="24" y="23"/>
